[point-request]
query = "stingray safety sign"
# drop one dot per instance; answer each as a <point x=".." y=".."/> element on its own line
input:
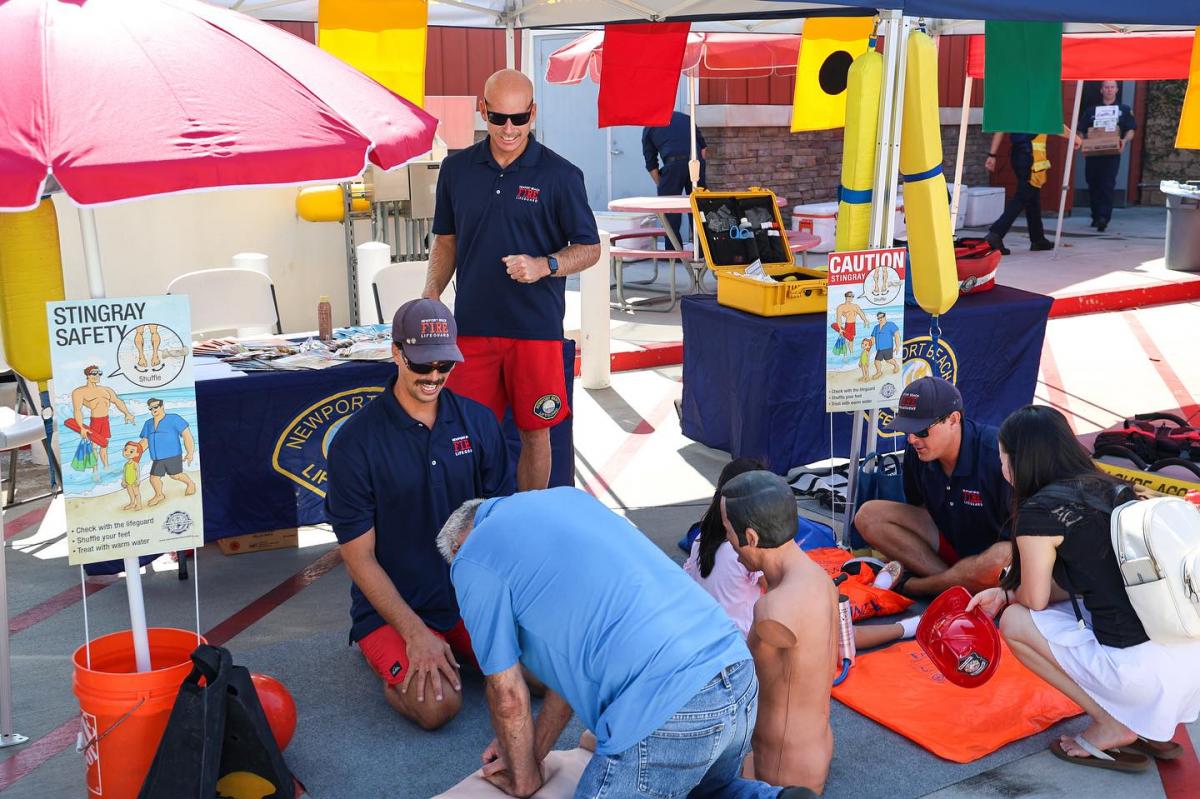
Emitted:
<point x="864" y="349"/>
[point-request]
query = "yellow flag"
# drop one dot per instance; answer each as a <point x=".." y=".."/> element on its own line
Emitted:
<point x="384" y="39"/>
<point x="829" y="46"/>
<point x="1188" y="137"/>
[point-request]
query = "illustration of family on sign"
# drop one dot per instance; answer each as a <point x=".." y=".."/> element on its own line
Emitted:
<point x="166" y="436"/>
<point x="884" y="338"/>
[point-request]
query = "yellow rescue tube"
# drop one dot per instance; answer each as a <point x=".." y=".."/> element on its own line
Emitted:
<point x="30" y="276"/>
<point x="327" y="204"/>
<point x="926" y="206"/>
<point x="864" y="83"/>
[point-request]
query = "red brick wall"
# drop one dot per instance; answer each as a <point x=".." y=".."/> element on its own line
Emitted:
<point x="806" y="167"/>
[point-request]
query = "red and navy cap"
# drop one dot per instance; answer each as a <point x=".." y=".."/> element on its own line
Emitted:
<point x="923" y="402"/>
<point x="426" y="332"/>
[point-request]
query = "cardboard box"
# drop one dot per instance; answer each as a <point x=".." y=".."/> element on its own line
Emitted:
<point x="259" y="542"/>
<point x="1102" y="142"/>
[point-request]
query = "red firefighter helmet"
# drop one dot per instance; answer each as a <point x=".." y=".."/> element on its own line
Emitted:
<point x="965" y="646"/>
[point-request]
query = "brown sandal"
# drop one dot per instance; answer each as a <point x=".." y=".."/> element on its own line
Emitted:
<point x="1159" y="750"/>
<point x="1113" y="760"/>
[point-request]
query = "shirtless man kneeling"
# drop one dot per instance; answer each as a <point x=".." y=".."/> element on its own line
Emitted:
<point x="794" y="635"/>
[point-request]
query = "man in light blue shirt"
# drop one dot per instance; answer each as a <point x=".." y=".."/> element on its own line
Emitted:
<point x="169" y="439"/>
<point x="888" y="347"/>
<point x="555" y="581"/>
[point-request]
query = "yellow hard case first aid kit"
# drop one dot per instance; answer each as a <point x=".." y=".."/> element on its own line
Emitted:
<point x="745" y="244"/>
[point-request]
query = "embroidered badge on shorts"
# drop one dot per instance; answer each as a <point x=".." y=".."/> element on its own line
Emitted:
<point x="548" y="406"/>
<point x="396" y="669"/>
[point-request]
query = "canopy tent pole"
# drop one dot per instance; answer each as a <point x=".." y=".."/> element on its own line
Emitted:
<point x="1066" y="181"/>
<point x="133" y="573"/>
<point x="510" y="46"/>
<point x="7" y="736"/>
<point x="883" y="214"/>
<point x="694" y="162"/>
<point x="962" y="149"/>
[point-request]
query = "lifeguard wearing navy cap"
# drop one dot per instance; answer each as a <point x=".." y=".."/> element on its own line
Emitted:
<point x="953" y="527"/>
<point x="511" y="220"/>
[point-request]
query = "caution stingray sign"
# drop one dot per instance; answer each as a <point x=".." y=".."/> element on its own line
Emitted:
<point x="828" y="47"/>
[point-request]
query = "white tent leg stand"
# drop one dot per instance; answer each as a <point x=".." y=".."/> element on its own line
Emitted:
<point x="1066" y="181"/>
<point x="7" y="736"/>
<point x="595" y="365"/>
<point x="133" y="574"/>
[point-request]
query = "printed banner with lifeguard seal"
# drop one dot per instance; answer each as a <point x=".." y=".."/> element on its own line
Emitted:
<point x="125" y="408"/>
<point x="864" y="351"/>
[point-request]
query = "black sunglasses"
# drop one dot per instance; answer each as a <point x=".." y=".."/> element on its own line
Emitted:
<point x="496" y="118"/>
<point x="442" y="367"/>
<point x="925" y="433"/>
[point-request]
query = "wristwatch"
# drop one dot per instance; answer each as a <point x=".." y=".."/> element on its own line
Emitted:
<point x="553" y="262"/>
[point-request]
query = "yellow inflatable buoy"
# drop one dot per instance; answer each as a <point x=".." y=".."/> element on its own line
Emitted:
<point x="863" y="87"/>
<point x="926" y="206"/>
<point x="327" y="203"/>
<point x="30" y="276"/>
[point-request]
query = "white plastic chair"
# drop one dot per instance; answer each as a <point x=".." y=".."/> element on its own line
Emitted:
<point x="229" y="299"/>
<point x="398" y="283"/>
<point x="18" y="429"/>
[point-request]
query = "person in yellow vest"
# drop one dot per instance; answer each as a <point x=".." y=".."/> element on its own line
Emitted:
<point x="1031" y="166"/>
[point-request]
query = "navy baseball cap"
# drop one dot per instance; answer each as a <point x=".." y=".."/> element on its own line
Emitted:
<point x="426" y="332"/>
<point x="923" y="402"/>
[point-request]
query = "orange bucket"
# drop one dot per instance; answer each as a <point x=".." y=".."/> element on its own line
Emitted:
<point x="123" y="712"/>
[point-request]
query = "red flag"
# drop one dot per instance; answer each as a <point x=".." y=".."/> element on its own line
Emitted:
<point x="641" y="72"/>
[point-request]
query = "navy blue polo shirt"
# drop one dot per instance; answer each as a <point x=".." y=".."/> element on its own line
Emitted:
<point x="390" y="472"/>
<point x="971" y="506"/>
<point x="535" y="206"/>
<point x="672" y="142"/>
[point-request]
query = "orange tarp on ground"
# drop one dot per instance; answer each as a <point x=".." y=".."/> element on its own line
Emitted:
<point x="901" y="689"/>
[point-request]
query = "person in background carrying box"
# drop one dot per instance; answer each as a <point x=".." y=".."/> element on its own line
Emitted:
<point x="1101" y="170"/>
<point x="952" y="529"/>
<point x="672" y="144"/>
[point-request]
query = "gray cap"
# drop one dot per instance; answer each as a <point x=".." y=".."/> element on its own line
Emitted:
<point x="426" y="332"/>
<point x="763" y="501"/>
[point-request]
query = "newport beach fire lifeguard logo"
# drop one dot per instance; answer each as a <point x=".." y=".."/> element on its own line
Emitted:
<point x="920" y="360"/>
<point x="528" y="193"/>
<point x="303" y="446"/>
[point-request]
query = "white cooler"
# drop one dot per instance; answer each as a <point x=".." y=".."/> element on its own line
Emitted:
<point x="984" y="205"/>
<point x="820" y="219"/>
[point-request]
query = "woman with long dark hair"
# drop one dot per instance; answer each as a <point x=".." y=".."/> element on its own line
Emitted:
<point x="1066" y="614"/>
<point x="715" y="565"/>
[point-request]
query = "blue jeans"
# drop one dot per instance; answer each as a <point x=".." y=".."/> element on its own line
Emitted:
<point x="697" y="753"/>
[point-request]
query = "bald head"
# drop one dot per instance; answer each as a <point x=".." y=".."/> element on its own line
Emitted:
<point x="506" y="88"/>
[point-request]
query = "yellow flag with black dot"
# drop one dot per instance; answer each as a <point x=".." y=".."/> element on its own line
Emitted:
<point x="828" y="47"/>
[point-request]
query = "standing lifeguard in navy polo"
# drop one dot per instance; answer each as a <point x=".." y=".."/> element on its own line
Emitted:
<point x="397" y="469"/>
<point x="672" y="145"/>
<point x="512" y="220"/>
<point x="953" y="528"/>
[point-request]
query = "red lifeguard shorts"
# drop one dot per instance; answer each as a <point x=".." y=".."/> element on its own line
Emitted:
<point x="524" y="374"/>
<point x="387" y="653"/>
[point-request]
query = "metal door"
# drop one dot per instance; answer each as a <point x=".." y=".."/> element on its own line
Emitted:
<point x="611" y="159"/>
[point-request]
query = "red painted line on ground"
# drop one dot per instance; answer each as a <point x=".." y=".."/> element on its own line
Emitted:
<point x="59" y="602"/>
<point x="1187" y="403"/>
<point x="220" y="634"/>
<point x="1125" y="298"/>
<point x="24" y="521"/>
<point x="1052" y="380"/>
<point x="35" y="754"/>
<point x="1181" y="777"/>
<point x="647" y="357"/>
<point x="32" y="755"/>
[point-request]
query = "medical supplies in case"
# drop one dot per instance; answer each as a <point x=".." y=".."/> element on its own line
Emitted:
<point x="746" y="246"/>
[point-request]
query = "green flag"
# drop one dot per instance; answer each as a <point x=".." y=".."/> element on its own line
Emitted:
<point x="1022" y="86"/>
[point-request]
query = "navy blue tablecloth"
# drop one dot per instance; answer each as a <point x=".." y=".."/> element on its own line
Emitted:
<point x="755" y="386"/>
<point x="263" y="439"/>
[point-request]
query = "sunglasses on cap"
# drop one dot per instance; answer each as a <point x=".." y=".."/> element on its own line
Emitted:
<point x="925" y="433"/>
<point x="442" y="367"/>
<point x="496" y="118"/>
